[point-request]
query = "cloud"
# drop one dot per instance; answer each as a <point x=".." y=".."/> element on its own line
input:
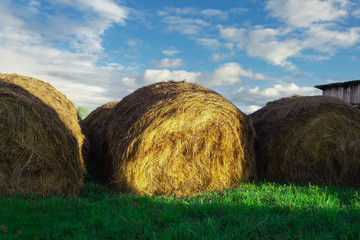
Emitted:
<point x="39" y="47"/>
<point x="214" y="13"/>
<point x="168" y="63"/>
<point x="278" y="45"/>
<point x="153" y="76"/>
<point x="249" y="100"/>
<point x="304" y="13"/>
<point x="264" y="43"/>
<point x="230" y="74"/>
<point x="170" y="51"/>
<point x="238" y="11"/>
<point x="177" y="11"/>
<point x="356" y="13"/>
<point x="233" y="34"/>
<point x="283" y="90"/>
<point x="190" y="11"/>
<point x="185" y="25"/>
<point x="217" y="57"/>
<point x="106" y="9"/>
<point x="84" y="32"/>
<point x="321" y="38"/>
<point x="248" y="109"/>
<point x="190" y="21"/>
<point x="211" y="43"/>
<point x="129" y="81"/>
<point x="133" y="42"/>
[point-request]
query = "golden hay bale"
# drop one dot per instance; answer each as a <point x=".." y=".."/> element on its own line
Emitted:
<point x="59" y="102"/>
<point x="90" y="126"/>
<point x="308" y="139"/>
<point x="176" y="138"/>
<point x="38" y="152"/>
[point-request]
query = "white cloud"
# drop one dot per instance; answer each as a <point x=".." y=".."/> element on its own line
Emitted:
<point x="177" y="11"/>
<point x="214" y="13"/>
<point x="237" y="35"/>
<point x="170" y="51"/>
<point x="28" y="47"/>
<point x="129" y="81"/>
<point x="283" y="90"/>
<point x="190" y="11"/>
<point x="263" y="43"/>
<point x="133" y="42"/>
<point x="217" y="57"/>
<point x="168" y="63"/>
<point x="249" y="100"/>
<point x="153" y="76"/>
<point x="107" y="9"/>
<point x="85" y="31"/>
<point x="323" y="39"/>
<point x="189" y="21"/>
<point x="231" y="73"/>
<point x="211" y="43"/>
<point x="303" y="13"/>
<point x="278" y="46"/>
<point x="34" y="6"/>
<point x="238" y="11"/>
<point x="248" y="109"/>
<point x="185" y="25"/>
<point x="113" y="67"/>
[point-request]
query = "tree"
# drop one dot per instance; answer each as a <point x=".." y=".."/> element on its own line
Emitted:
<point x="83" y="112"/>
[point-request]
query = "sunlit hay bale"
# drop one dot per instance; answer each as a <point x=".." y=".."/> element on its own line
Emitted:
<point x="90" y="126"/>
<point x="38" y="152"/>
<point x="176" y="138"/>
<point x="59" y="102"/>
<point x="308" y="139"/>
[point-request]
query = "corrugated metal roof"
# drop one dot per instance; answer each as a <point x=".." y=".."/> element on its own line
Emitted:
<point x="334" y="85"/>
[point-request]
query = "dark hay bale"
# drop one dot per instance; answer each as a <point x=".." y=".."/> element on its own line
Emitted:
<point x="90" y="126"/>
<point x="308" y="139"/>
<point x="176" y="138"/>
<point x="41" y="139"/>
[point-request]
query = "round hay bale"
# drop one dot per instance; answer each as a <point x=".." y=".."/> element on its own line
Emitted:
<point x="90" y="127"/>
<point x="91" y="124"/>
<point x="59" y="102"/>
<point x="308" y="139"/>
<point x="176" y="138"/>
<point x="38" y="152"/>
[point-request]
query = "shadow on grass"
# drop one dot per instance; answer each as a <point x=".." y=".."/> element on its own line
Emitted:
<point x="251" y="211"/>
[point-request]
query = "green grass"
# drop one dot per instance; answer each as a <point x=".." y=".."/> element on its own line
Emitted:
<point x="250" y="211"/>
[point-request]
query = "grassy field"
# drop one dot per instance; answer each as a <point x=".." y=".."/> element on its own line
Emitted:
<point x="250" y="211"/>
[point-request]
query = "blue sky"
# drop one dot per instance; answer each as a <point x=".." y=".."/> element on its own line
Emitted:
<point x="250" y="51"/>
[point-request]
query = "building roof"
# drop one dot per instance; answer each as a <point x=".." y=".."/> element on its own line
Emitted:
<point x="335" y="85"/>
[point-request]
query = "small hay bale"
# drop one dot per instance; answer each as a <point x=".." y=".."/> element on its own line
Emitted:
<point x="308" y="139"/>
<point x="90" y="126"/>
<point x="176" y="138"/>
<point x="41" y="139"/>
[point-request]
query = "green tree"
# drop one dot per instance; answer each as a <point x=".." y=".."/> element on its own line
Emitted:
<point x="83" y="112"/>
